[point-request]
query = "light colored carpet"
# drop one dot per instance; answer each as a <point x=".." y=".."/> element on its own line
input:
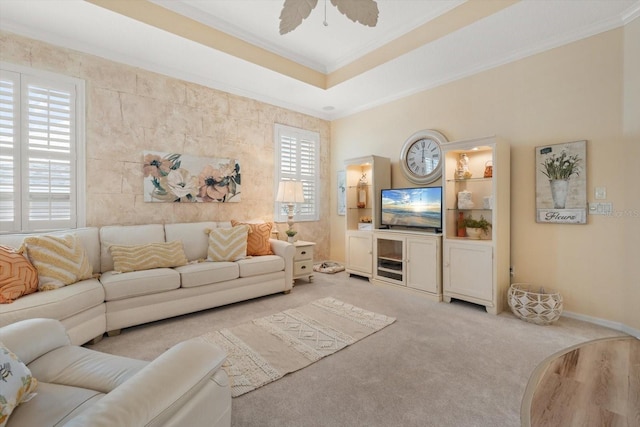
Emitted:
<point x="266" y="349"/>
<point x="438" y="364"/>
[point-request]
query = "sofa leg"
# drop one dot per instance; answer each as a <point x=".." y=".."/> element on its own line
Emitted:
<point x="287" y="292"/>
<point x="96" y="340"/>
<point x="114" y="333"/>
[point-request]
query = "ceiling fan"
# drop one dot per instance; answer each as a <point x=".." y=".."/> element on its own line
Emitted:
<point x="295" y="11"/>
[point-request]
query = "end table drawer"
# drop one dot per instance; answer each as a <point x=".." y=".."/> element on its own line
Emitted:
<point x="304" y="252"/>
<point x="303" y="267"/>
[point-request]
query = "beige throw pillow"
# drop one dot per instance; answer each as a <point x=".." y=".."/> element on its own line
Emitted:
<point x="128" y="258"/>
<point x="60" y="260"/>
<point x="227" y="244"/>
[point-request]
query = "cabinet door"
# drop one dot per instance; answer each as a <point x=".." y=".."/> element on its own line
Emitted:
<point x="422" y="260"/>
<point x="468" y="270"/>
<point x="359" y="252"/>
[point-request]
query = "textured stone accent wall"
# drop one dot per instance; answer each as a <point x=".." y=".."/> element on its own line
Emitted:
<point x="130" y="110"/>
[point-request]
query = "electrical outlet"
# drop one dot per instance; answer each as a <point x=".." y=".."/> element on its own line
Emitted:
<point x="512" y="271"/>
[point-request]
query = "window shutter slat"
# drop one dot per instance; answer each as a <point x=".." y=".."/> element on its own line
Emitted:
<point x="39" y="161"/>
<point x="297" y="159"/>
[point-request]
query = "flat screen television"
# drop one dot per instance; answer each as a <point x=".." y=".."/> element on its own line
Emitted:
<point x="419" y="207"/>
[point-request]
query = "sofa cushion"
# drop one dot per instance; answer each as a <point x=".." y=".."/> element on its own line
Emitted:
<point x="54" y="405"/>
<point x="126" y="235"/>
<point x="260" y="265"/>
<point x="59" y="304"/>
<point x="60" y="260"/>
<point x="258" y="239"/>
<point x="77" y="366"/>
<point x="193" y="237"/>
<point x="128" y="258"/>
<point x="18" y="385"/>
<point x="136" y="283"/>
<point x="17" y="275"/>
<point x="227" y="244"/>
<point x="206" y="273"/>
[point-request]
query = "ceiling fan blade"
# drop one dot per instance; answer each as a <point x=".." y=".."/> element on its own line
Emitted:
<point x="294" y="12"/>
<point x="362" y="11"/>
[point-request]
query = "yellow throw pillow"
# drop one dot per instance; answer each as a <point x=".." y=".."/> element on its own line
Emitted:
<point x="17" y="383"/>
<point x="60" y="260"/>
<point x="258" y="240"/>
<point x="227" y="244"/>
<point x="128" y="258"/>
<point x="18" y="276"/>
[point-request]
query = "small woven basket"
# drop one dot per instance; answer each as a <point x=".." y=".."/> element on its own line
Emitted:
<point x="542" y="307"/>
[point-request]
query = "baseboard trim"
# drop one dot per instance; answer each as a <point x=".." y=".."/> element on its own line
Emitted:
<point x="603" y="322"/>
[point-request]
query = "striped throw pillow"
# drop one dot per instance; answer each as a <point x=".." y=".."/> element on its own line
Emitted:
<point x="258" y="241"/>
<point x="227" y="244"/>
<point x="17" y="276"/>
<point x="60" y="260"/>
<point x="128" y="258"/>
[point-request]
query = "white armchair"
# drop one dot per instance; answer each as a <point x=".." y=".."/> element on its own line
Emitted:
<point x="81" y="387"/>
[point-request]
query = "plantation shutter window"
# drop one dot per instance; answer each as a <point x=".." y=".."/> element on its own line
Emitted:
<point x="297" y="159"/>
<point x="40" y="163"/>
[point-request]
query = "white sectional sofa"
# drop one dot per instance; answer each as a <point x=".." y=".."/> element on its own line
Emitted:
<point x="185" y="386"/>
<point x="113" y="301"/>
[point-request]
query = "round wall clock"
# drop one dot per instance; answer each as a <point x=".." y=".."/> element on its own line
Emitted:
<point x="421" y="156"/>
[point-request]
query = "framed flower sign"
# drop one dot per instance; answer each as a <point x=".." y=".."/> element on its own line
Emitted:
<point x="171" y="177"/>
<point x="561" y="183"/>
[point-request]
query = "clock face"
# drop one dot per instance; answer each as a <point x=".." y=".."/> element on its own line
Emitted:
<point x="421" y="156"/>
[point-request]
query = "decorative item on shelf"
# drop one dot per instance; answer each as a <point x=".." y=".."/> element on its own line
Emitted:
<point x="541" y="307"/>
<point x="290" y="193"/>
<point x="461" y="226"/>
<point x="487" y="202"/>
<point x="462" y="172"/>
<point x="488" y="169"/>
<point x="362" y="191"/>
<point x="475" y="228"/>
<point x="365" y="223"/>
<point x="291" y="235"/>
<point x="465" y="200"/>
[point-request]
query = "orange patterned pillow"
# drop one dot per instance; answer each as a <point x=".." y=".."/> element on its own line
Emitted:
<point x="258" y="240"/>
<point x="18" y="276"/>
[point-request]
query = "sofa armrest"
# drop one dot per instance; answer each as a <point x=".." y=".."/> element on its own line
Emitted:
<point x="31" y="338"/>
<point x="288" y="252"/>
<point x="159" y="390"/>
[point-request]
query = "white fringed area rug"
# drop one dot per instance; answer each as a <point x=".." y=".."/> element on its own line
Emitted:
<point x="266" y="349"/>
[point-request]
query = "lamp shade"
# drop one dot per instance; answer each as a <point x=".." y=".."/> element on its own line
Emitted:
<point x="290" y="192"/>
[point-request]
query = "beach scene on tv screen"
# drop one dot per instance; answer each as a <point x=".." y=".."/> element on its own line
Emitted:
<point x="418" y="207"/>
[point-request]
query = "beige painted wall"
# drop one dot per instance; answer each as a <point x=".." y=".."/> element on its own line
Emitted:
<point x="631" y="211"/>
<point x="130" y="110"/>
<point x="566" y="94"/>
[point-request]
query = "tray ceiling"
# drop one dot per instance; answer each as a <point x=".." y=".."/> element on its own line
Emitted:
<point x="326" y="71"/>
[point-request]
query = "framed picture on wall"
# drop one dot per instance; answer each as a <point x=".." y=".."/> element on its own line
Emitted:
<point x="342" y="193"/>
<point x="561" y="183"/>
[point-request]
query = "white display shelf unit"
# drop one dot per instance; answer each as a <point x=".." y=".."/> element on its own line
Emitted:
<point x="477" y="270"/>
<point x="363" y="216"/>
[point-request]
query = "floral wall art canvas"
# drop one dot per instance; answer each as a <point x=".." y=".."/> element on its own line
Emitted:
<point x="561" y="183"/>
<point x="172" y="177"/>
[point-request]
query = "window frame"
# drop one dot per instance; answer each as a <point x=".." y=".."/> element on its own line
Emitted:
<point x="310" y="185"/>
<point x="77" y="155"/>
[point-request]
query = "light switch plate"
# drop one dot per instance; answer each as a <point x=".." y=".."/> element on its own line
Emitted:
<point x="600" y="208"/>
<point x="601" y="193"/>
